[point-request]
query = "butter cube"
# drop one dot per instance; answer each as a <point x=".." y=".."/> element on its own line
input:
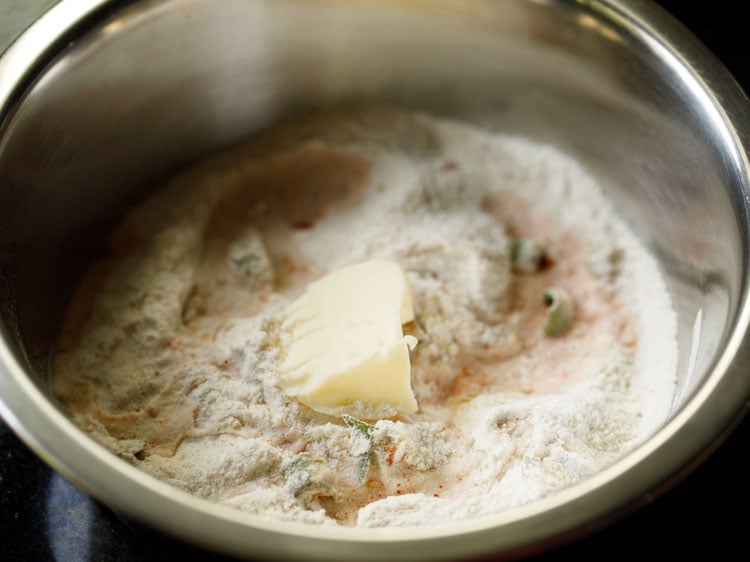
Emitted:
<point x="343" y="349"/>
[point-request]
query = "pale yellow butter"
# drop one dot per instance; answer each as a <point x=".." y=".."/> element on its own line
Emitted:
<point x="342" y="344"/>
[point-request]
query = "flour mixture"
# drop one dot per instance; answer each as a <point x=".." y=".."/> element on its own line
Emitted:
<point x="545" y="338"/>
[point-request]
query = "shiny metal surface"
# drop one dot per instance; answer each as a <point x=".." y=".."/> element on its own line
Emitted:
<point x="100" y="100"/>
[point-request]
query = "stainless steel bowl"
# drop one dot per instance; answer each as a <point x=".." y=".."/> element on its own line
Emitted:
<point x="101" y="100"/>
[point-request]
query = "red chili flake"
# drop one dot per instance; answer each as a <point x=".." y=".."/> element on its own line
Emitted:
<point x="440" y="486"/>
<point x="436" y="495"/>
<point x="398" y="492"/>
<point x="302" y="225"/>
<point x="389" y="458"/>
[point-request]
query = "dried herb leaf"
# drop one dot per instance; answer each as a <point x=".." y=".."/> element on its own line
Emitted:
<point x="363" y="427"/>
<point x="364" y="466"/>
<point x="309" y="474"/>
<point x="527" y="256"/>
<point x="559" y="312"/>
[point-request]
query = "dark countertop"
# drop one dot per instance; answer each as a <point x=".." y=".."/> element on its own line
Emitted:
<point x="44" y="517"/>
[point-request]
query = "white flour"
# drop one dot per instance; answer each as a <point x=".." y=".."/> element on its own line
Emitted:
<point x="169" y="353"/>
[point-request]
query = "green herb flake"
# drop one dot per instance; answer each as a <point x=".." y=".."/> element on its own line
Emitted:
<point x="308" y="474"/>
<point x="364" y="466"/>
<point x="527" y="256"/>
<point x="559" y="312"/>
<point x="363" y="427"/>
<point x="303" y="461"/>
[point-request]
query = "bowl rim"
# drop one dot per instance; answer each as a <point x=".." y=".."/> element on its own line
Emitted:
<point x="657" y="465"/>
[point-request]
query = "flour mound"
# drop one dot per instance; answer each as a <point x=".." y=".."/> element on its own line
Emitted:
<point x="169" y="356"/>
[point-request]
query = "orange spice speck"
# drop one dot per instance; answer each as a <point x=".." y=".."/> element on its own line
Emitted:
<point x="302" y="224"/>
<point x="391" y="453"/>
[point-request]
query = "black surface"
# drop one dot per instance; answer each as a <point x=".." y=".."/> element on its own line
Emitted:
<point x="44" y="517"/>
